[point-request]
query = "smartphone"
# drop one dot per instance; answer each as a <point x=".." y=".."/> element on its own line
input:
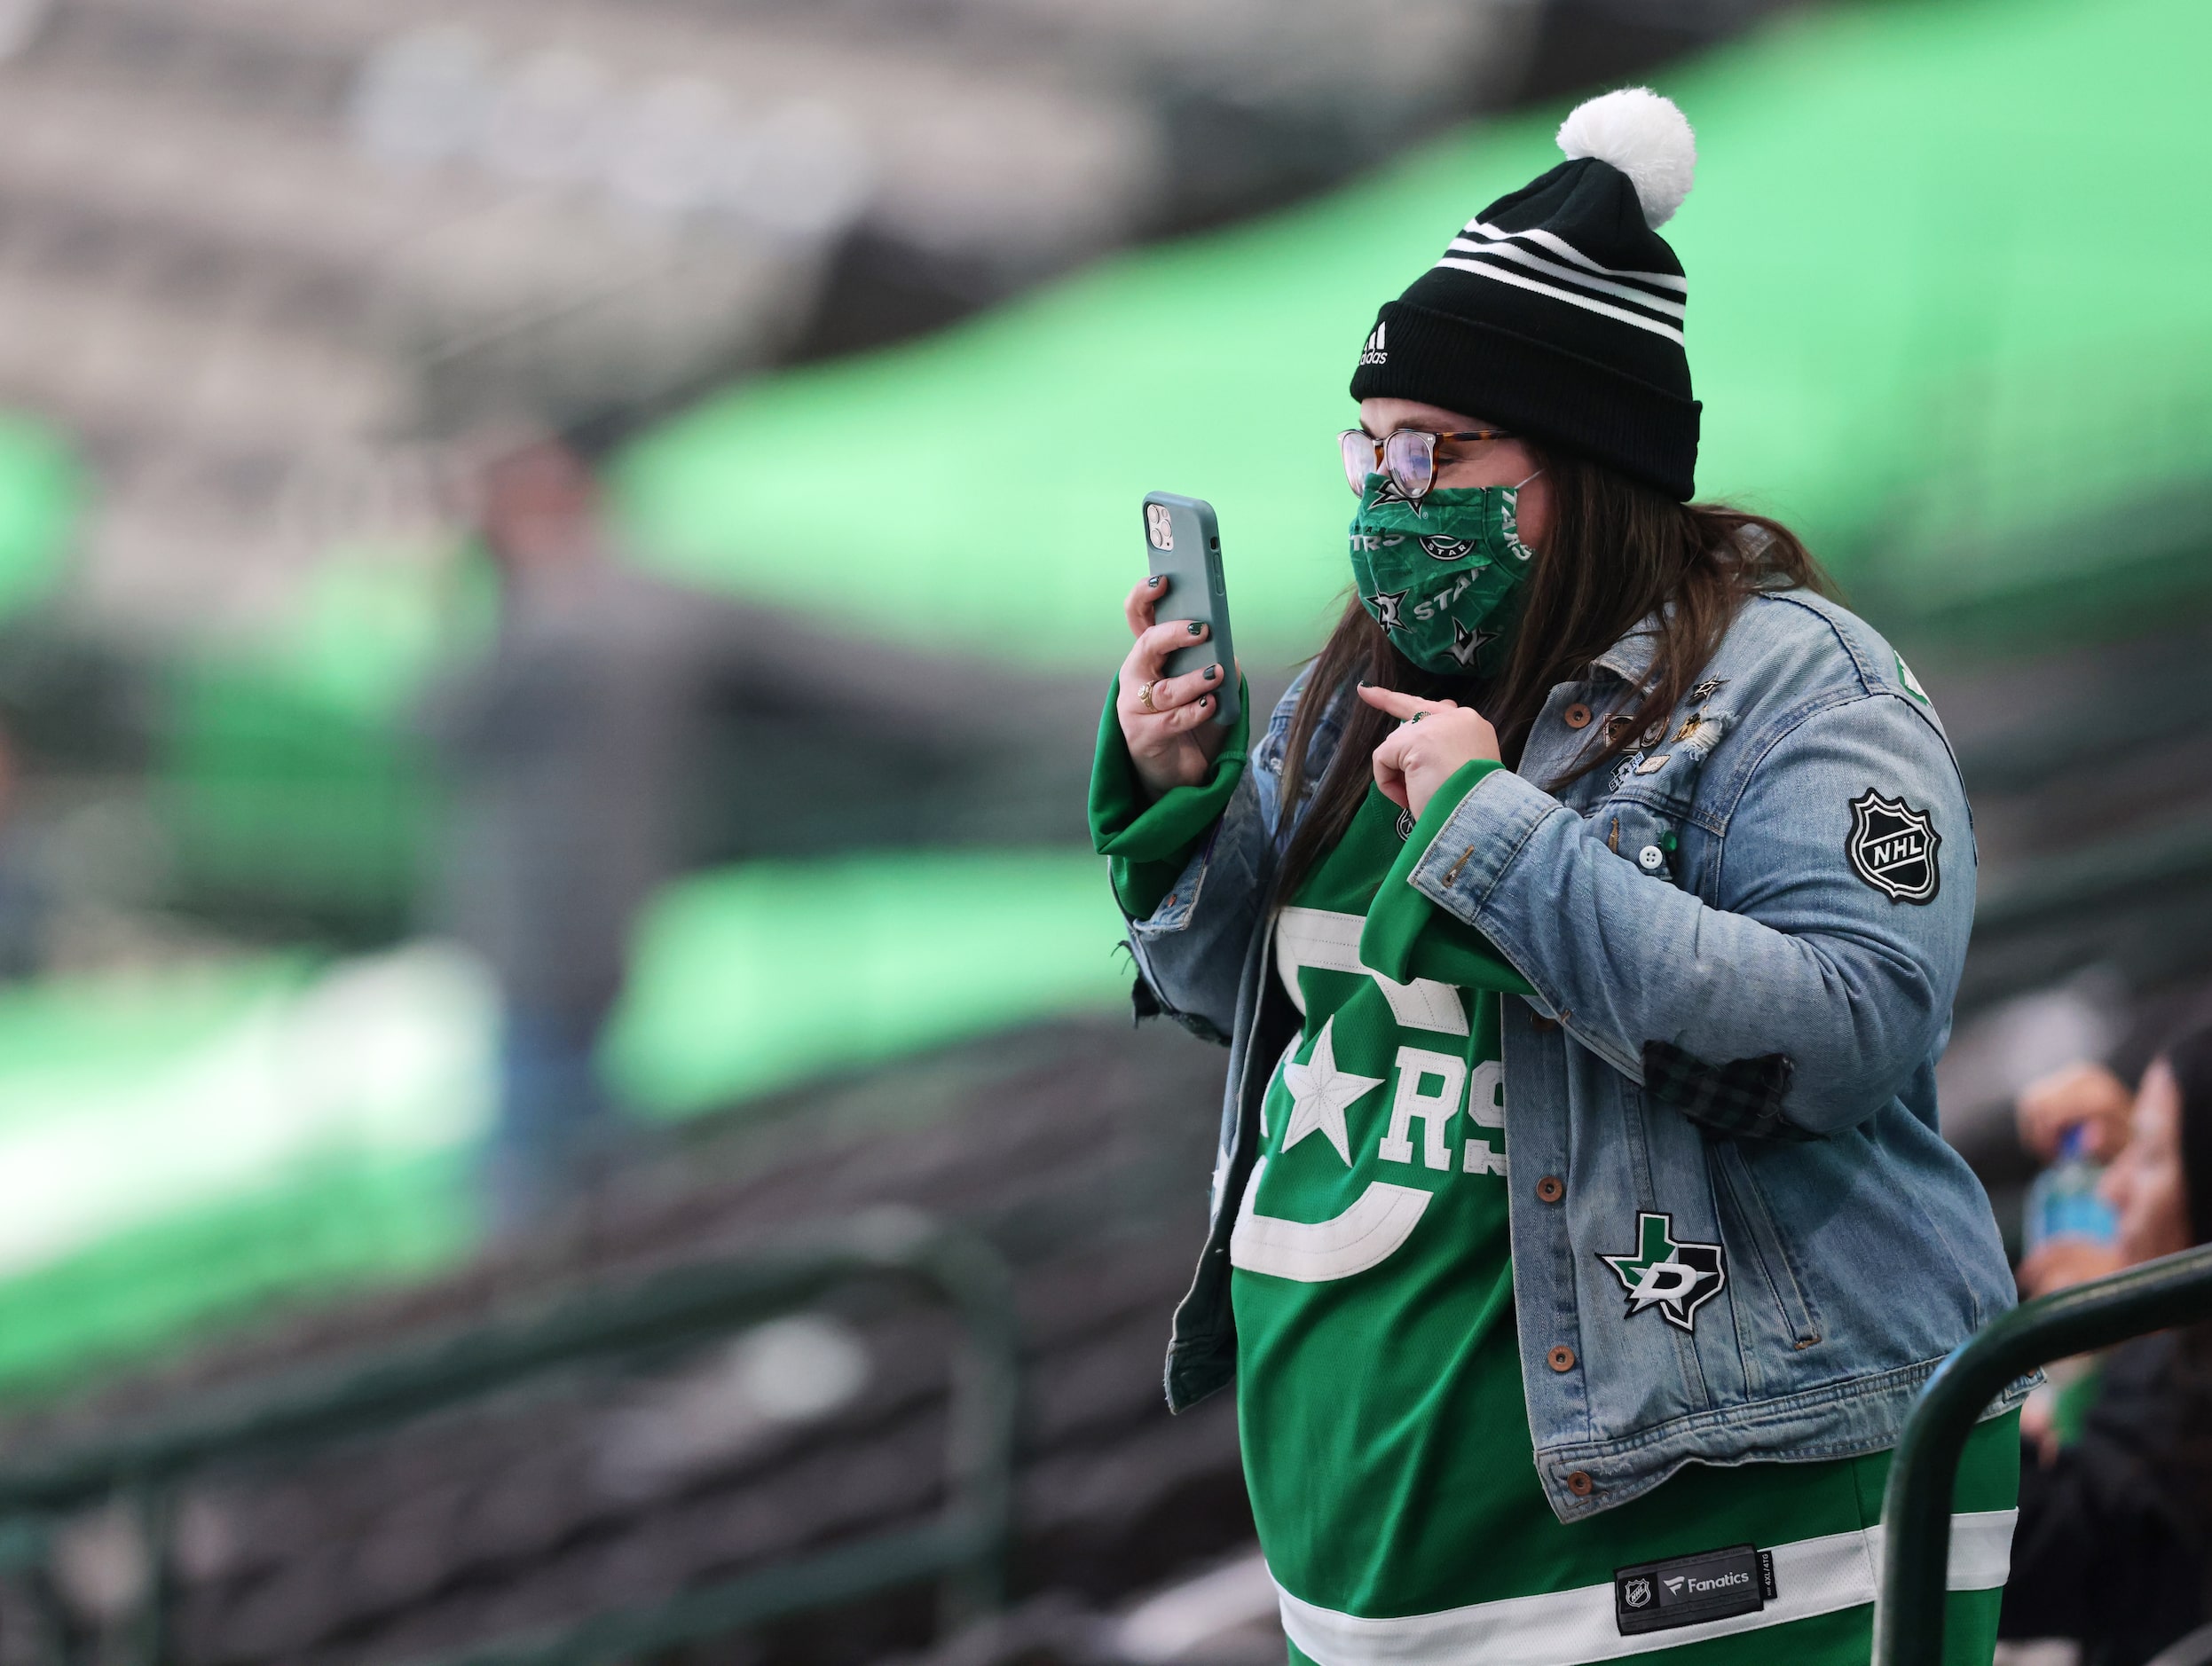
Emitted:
<point x="1183" y="543"/>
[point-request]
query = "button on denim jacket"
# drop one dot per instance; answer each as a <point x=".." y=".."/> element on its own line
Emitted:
<point x="1770" y="896"/>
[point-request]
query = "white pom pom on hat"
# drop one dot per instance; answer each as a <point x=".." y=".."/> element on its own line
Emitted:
<point x="1588" y="355"/>
<point x="1644" y="136"/>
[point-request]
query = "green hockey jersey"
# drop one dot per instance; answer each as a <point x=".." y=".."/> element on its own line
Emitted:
<point x="1386" y="1441"/>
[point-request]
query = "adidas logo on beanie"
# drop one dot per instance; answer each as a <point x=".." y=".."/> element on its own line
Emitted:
<point x="1557" y="311"/>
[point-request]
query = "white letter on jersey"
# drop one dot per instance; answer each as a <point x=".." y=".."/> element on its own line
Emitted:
<point x="1367" y="1234"/>
<point x="1436" y="1111"/>
<point x="1330" y="942"/>
<point x="1486" y="1104"/>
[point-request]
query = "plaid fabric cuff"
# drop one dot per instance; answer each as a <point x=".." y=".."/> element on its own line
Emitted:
<point x="1740" y="1099"/>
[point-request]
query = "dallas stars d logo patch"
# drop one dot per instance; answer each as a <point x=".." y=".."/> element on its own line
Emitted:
<point x="1676" y="1279"/>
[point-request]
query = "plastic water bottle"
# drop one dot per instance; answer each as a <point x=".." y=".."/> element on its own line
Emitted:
<point x="2063" y="1202"/>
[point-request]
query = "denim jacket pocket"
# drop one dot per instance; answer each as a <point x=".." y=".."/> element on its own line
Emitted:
<point x="1777" y="1298"/>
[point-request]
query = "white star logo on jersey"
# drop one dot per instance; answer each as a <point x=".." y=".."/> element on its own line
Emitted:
<point x="1389" y="609"/>
<point x="1320" y="1094"/>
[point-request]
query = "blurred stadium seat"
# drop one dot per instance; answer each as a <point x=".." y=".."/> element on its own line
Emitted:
<point x="252" y="254"/>
<point x="1073" y="1149"/>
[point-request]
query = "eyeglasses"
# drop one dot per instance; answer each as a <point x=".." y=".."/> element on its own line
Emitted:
<point x="1407" y="455"/>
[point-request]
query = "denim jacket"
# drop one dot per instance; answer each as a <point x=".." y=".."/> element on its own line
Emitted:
<point x="1737" y="1232"/>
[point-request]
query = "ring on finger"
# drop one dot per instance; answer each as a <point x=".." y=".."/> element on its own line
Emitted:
<point x="1144" y="697"/>
<point x="1409" y="722"/>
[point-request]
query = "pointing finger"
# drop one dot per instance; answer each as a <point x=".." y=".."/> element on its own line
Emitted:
<point x="1399" y="705"/>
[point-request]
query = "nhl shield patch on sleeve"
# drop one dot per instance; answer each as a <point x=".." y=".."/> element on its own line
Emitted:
<point x="1689" y="1590"/>
<point x="1892" y="848"/>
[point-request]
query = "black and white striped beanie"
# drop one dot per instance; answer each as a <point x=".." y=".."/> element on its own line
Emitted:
<point x="1557" y="312"/>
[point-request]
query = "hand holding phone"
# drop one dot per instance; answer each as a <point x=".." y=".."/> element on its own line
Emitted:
<point x="1178" y="693"/>
<point x="1183" y="541"/>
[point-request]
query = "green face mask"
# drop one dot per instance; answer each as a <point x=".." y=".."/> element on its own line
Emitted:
<point x="1441" y="576"/>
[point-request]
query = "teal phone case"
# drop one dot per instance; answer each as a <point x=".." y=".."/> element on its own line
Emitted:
<point x="1183" y="543"/>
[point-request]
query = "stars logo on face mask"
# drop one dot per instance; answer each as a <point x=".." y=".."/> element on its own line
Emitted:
<point x="1390" y="607"/>
<point x="1390" y="491"/>
<point x="1446" y="549"/>
<point x="1466" y="644"/>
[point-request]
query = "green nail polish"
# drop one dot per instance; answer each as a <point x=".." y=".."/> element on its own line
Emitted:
<point x="1196" y="627"/>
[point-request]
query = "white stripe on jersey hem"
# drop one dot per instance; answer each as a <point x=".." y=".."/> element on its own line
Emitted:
<point x="1482" y="269"/>
<point x="1365" y="1235"/>
<point x="1560" y="246"/>
<point x="1642" y="298"/>
<point x="1569" y="1628"/>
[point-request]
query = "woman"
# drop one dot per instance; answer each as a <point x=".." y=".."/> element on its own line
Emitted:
<point x="1584" y="929"/>
<point x="2114" y="1546"/>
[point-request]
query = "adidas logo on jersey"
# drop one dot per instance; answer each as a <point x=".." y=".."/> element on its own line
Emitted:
<point x="1372" y="353"/>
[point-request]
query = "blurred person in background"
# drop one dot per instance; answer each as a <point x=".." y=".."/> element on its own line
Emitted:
<point x="25" y="901"/>
<point x="1582" y="1228"/>
<point x="2084" y="1096"/>
<point x="564" y="753"/>
<point x="624" y="728"/>
<point x="2114" y="1542"/>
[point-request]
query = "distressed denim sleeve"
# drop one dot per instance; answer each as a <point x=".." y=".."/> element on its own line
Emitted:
<point x="1816" y="951"/>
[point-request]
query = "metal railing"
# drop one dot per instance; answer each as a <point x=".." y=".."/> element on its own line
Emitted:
<point x="964" y="1545"/>
<point x="1916" y="1508"/>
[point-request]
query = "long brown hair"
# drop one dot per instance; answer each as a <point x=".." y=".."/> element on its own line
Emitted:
<point x="1616" y="553"/>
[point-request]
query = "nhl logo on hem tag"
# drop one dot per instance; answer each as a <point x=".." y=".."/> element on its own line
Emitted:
<point x="1892" y="848"/>
<point x="1691" y="1590"/>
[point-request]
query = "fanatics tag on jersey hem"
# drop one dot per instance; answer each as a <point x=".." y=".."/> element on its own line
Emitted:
<point x="1689" y="1590"/>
